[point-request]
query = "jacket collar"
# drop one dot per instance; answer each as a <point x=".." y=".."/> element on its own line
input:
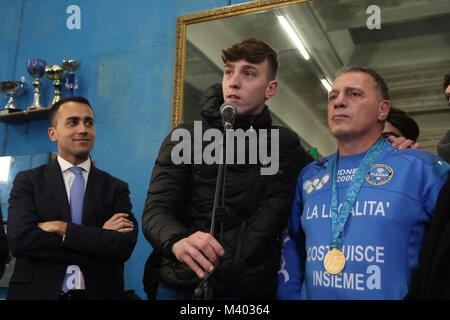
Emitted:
<point x="210" y="104"/>
<point x="92" y="194"/>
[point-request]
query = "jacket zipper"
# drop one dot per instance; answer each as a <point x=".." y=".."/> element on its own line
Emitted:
<point x="241" y="232"/>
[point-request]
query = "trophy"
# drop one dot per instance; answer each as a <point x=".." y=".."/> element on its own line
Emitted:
<point x="71" y="66"/>
<point x="10" y="87"/>
<point x="54" y="73"/>
<point x="36" y="68"/>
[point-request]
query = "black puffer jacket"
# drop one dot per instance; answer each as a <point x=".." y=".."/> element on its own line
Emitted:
<point x="180" y="201"/>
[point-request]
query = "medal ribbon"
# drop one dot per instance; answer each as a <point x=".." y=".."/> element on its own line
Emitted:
<point x="339" y="219"/>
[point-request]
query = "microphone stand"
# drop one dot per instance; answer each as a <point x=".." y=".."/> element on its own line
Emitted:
<point x="203" y="291"/>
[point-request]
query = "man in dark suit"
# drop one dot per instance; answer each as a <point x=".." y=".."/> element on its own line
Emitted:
<point x="63" y="252"/>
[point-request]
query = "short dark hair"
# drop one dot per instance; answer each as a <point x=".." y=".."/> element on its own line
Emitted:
<point x="253" y="51"/>
<point x="404" y="123"/>
<point x="380" y="84"/>
<point x="55" y="107"/>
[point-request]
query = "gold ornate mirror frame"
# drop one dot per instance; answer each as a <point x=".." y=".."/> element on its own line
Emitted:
<point x="185" y="20"/>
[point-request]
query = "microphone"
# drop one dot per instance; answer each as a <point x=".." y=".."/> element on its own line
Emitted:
<point x="228" y="111"/>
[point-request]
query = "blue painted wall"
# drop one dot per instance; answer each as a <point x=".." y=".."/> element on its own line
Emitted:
<point x="127" y="51"/>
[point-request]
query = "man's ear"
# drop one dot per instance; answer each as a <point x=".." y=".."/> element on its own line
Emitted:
<point x="52" y="134"/>
<point x="272" y="88"/>
<point x="383" y="111"/>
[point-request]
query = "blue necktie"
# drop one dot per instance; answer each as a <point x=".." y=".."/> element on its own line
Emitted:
<point x="76" y="212"/>
<point x="77" y="195"/>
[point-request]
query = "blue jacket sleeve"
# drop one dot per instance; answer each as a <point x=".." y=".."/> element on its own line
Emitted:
<point x="290" y="276"/>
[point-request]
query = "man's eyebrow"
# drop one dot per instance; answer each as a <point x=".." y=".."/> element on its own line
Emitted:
<point x="245" y="66"/>
<point x="332" y="91"/>
<point x="249" y="66"/>
<point x="78" y="118"/>
<point x="353" y="88"/>
<point x="347" y="89"/>
<point x="73" y="118"/>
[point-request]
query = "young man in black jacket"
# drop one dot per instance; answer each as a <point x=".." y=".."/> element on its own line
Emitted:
<point x="70" y="224"/>
<point x="243" y="255"/>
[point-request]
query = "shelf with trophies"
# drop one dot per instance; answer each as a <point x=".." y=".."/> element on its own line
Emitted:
<point x="37" y="68"/>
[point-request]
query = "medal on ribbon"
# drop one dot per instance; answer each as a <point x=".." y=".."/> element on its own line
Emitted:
<point x="334" y="261"/>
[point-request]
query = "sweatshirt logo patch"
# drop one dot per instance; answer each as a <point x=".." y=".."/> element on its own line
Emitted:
<point x="379" y="174"/>
<point x="316" y="184"/>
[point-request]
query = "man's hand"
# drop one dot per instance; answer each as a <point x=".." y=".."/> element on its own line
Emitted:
<point x="402" y="143"/>
<point x="119" y="222"/>
<point x="199" y="251"/>
<point x="58" y="227"/>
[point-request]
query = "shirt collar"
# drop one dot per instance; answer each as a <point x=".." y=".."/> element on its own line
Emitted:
<point x="65" y="165"/>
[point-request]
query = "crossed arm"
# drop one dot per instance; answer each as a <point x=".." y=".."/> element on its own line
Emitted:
<point x="117" y="222"/>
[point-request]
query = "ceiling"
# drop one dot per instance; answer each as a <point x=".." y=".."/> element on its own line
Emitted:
<point x="411" y="51"/>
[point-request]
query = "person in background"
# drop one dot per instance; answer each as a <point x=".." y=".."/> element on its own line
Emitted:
<point x="430" y="280"/>
<point x="358" y="219"/>
<point x="443" y="147"/>
<point x="399" y="124"/>
<point x="70" y="225"/>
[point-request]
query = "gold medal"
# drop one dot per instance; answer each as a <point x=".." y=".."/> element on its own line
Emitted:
<point x="334" y="261"/>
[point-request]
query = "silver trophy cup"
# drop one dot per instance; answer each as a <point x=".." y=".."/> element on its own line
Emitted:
<point x="10" y="87"/>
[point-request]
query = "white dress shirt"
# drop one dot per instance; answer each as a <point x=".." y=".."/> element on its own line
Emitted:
<point x="75" y="280"/>
<point x="69" y="176"/>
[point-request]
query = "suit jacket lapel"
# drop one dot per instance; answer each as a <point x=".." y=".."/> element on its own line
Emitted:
<point x="55" y="182"/>
<point x="92" y="194"/>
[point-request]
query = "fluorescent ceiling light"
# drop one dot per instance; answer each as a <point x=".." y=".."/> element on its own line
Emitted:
<point x="4" y="168"/>
<point x="294" y="37"/>
<point x="326" y="84"/>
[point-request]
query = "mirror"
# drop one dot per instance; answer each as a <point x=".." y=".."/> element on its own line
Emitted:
<point x="410" y="50"/>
